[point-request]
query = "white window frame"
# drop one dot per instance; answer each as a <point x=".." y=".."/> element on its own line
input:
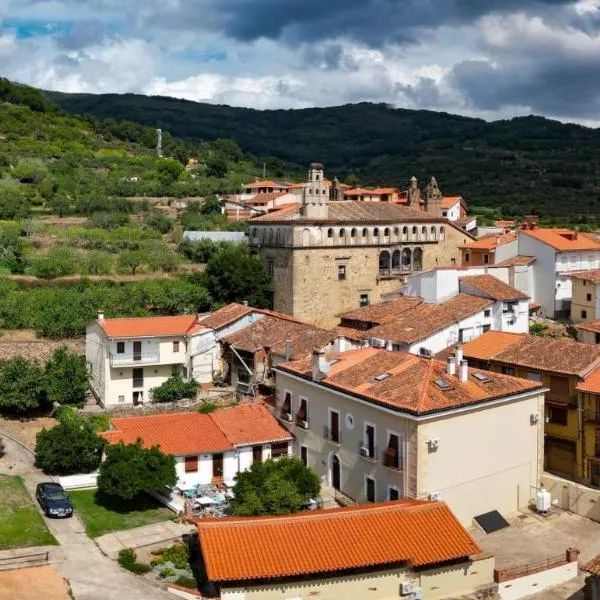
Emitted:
<point x="389" y="432"/>
<point x="364" y="433"/>
<point x="300" y="398"/>
<point x="339" y="414"/>
<point x="374" y="480"/>
<point x="393" y="486"/>
<point x="282" y="400"/>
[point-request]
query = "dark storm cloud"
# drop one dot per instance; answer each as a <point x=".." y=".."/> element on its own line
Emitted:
<point x="373" y="22"/>
<point x="562" y="86"/>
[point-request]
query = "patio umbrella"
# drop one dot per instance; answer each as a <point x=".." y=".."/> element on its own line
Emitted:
<point x="205" y="500"/>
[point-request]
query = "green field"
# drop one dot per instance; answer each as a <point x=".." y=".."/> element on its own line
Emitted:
<point x="21" y="525"/>
<point x="102" y="514"/>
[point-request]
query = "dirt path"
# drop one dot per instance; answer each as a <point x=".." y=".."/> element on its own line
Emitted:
<point x="91" y="574"/>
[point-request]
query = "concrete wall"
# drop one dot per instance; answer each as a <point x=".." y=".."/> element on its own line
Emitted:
<point x="451" y="581"/>
<point x="586" y="337"/>
<point x="475" y="439"/>
<point x="536" y="583"/>
<point x="96" y="357"/>
<point x="574" y="497"/>
<point x="506" y="251"/>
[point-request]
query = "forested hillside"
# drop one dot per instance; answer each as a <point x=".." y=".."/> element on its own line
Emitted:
<point x="521" y="165"/>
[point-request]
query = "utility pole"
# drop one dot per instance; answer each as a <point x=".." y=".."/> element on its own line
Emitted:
<point x="159" y="143"/>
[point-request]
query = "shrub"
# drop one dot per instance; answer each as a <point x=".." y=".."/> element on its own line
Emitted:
<point x="66" y="377"/>
<point x="127" y="559"/>
<point x="207" y="407"/>
<point x="173" y="389"/>
<point x="167" y="572"/>
<point x="159" y="221"/>
<point x="178" y="554"/>
<point x="140" y="568"/>
<point x="57" y="262"/>
<point x="186" y="582"/>
<point x="21" y="385"/>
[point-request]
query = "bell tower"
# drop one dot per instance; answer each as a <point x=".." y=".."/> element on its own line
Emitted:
<point x="433" y="198"/>
<point x="414" y="194"/>
<point x="315" y="196"/>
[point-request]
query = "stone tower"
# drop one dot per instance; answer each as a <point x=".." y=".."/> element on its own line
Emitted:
<point x="433" y="198"/>
<point x="336" y="192"/>
<point x="315" y="196"/>
<point x="414" y="194"/>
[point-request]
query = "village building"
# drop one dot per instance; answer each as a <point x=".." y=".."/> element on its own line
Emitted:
<point x="585" y="296"/>
<point x="262" y="186"/>
<point x="558" y="253"/>
<point x="562" y="366"/>
<point x="208" y="448"/>
<point x="588" y="332"/>
<point x="489" y="250"/>
<point x="327" y="257"/>
<point x="408" y="549"/>
<point x="379" y="425"/>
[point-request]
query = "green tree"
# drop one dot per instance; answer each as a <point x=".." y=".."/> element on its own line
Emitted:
<point x="274" y="488"/>
<point x="173" y="389"/>
<point x="66" y="377"/>
<point x="211" y="206"/>
<point x="21" y="385"/>
<point x="57" y="262"/>
<point x="169" y="170"/>
<point x="233" y="275"/>
<point x="12" y="200"/>
<point x="159" y="221"/>
<point x="70" y="447"/>
<point x="131" y="260"/>
<point x="60" y="204"/>
<point x="216" y="167"/>
<point x="131" y="470"/>
<point x="30" y="170"/>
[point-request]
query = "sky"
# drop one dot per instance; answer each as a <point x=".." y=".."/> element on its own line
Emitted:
<point x="486" y="58"/>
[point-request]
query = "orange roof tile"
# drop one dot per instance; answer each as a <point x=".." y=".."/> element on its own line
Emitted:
<point x="359" y="192"/>
<point x="425" y="319"/>
<point x="593" y="326"/>
<point x="529" y="351"/>
<point x="591" y="383"/>
<point x="450" y="201"/>
<point x="179" y="434"/>
<point x="515" y="260"/>
<point x="593" y="566"/>
<point x="563" y="239"/>
<point x="381" y="313"/>
<point x="410" y="385"/>
<point x="491" y="242"/>
<point x="491" y="287"/>
<point x="593" y="275"/>
<point x="226" y="315"/>
<point x="504" y="223"/>
<point x="264" y="198"/>
<point x="413" y="532"/>
<point x="148" y="326"/>
<point x="265" y="184"/>
<point x="385" y="190"/>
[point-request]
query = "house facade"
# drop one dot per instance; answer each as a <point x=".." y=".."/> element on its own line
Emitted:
<point x="325" y="258"/>
<point x="381" y="425"/>
<point x="489" y="250"/>
<point x="400" y="549"/>
<point x="208" y="448"/>
<point x="558" y="253"/>
<point x="561" y="366"/>
<point x="585" y="299"/>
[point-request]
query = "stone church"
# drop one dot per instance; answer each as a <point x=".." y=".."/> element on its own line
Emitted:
<point x="327" y="256"/>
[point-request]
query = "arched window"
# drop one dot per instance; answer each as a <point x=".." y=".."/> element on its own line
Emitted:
<point x="405" y="232"/>
<point x="433" y="233"/>
<point x="384" y="261"/>
<point x="442" y="232"/>
<point x="342" y="232"/>
<point x="414" y="232"/>
<point x="330" y="233"/>
<point x="365" y="232"/>
<point x="396" y="260"/>
<point x="306" y="237"/>
<point x="406" y="259"/>
<point x="376" y="232"/>
<point x="424" y="232"/>
<point x="353" y="232"/>
<point x="396" y="231"/>
<point x="318" y="237"/>
<point x="417" y="259"/>
<point x="386" y="232"/>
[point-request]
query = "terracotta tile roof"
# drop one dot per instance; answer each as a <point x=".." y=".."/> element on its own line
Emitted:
<point x="591" y="383"/>
<point x="148" y="326"/>
<point x="381" y="313"/>
<point x="410" y="386"/>
<point x="358" y="192"/>
<point x="385" y="190"/>
<point x="514" y="261"/>
<point x="347" y="211"/>
<point x="450" y="201"/>
<point x="226" y="315"/>
<point x="491" y="242"/>
<point x="592" y="275"/>
<point x="504" y="223"/>
<point x="593" y="566"/>
<point x="265" y="198"/>
<point x="194" y="433"/>
<point x="265" y="184"/>
<point x="593" y="326"/>
<point x="563" y="239"/>
<point x="352" y="333"/>
<point x="491" y="287"/>
<point x="273" y="332"/>
<point x="529" y="351"/>
<point x="426" y="319"/>
<point x="413" y="532"/>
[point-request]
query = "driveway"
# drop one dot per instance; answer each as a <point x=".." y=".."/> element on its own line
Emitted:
<point x="91" y="574"/>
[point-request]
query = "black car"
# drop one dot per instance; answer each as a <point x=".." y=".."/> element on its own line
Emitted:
<point x="53" y="500"/>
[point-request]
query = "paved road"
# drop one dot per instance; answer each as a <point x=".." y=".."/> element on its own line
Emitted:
<point x="92" y="575"/>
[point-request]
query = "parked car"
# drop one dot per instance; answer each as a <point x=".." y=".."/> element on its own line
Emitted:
<point x="54" y="500"/>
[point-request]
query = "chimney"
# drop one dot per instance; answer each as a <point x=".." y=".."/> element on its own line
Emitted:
<point x="463" y="371"/>
<point x="320" y="366"/>
<point x="245" y="302"/>
<point x="497" y="241"/>
<point x="458" y="354"/>
<point x="451" y="366"/>
<point x="100" y="317"/>
<point x="288" y="351"/>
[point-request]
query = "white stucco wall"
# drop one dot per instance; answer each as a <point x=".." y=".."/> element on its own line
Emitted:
<point x="536" y="583"/>
<point x="506" y="251"/>
<point x="96" y="359"/>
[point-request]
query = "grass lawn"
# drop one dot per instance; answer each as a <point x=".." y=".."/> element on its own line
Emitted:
<point x="21" y="525"/>
<point x="102" y="514"/>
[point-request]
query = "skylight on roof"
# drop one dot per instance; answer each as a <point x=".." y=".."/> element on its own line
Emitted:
<point x="481" y="377"/>
<point x="443" y="385"/>
<point x="381" y="377"/>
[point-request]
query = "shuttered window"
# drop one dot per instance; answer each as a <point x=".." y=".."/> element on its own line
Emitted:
<point x="302" y="412"/>
<point x="191" y="464"/>
<point x="391" y="457"/>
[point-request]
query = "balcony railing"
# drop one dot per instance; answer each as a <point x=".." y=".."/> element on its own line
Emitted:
<point x="332" y="435"/>
<point x="134" y="359"/>
<point x="399" y="270"/>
